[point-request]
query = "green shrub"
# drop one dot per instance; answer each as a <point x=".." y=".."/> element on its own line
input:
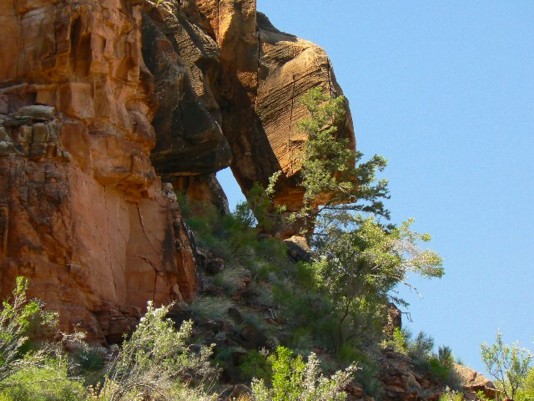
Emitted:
<point x="230" y="280"/>
<point x="527" y="391"/>
<point x="296" y="380"/>
<point x="156" y="359"/>
<point x="213" y="308"/>
<point x="255" y="365"/>
<point x="89" y="363"/>
<point x="398" y="340"/>
<point x="90" y="359"/>
<point x="508" y="364"/>
<point x="17" y="317"/>
<point x="450" y="395"/>
<point x="43" y="382"/>
<point x="420" y="349"/>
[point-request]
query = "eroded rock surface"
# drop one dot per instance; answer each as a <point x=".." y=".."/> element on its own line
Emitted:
<point x="82" y="213"/>
<point x="103" y="100"/>
<point x="185" y="64"/>
<point x="250" y="77"/>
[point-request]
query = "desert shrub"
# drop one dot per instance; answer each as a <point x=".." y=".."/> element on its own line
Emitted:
<point x="224" y="235"/>
<point x="420" y="348"/>
<point x="439" y="366"/>
<point x="307" y="314"/>
<point x="213" y="308"/>
<point x="90" y="358"/>
<point x="527" y="391"/>
<point x="508" y="364"/>
<point x="398" y="341"/>
<point x="230" y="280"/>
<point x="442" y="371"/>
<point x="296" y="380"/>
<point x="156" y="360"/>
<point x="190" y="394"/>
<point x="88" y="363"/>
<point x="451" y="395"/>
<point x="442" y="368"/>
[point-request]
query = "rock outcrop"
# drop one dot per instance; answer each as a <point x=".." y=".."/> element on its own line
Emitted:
<point x="403" y="381"/>
<point x="185" y="63"/>
<point x="474" y="383"/>
<point x="249" y="77"/>
<point x="101" y="102"/>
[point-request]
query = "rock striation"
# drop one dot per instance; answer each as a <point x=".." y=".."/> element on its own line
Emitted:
<point x="249" y="77"/>
<point x="107" y="107"/>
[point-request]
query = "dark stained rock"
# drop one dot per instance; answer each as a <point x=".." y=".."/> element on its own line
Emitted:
<point x="183" y="60"/>
<point x="201" y="190"/>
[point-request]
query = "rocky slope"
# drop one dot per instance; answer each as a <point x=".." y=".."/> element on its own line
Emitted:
<point x="101" y="102"/>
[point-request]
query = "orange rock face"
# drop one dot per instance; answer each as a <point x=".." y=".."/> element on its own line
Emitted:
<point x="103" y="100"/>
<point x="82" y="212"/>
<point x="266" y="72"/>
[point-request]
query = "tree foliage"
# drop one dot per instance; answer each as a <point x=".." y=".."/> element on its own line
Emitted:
<point x="17" y="316"/>
<point x="333" y="174"/>
<point x="358" y="259"/>
<point x="508" y="364"/>
<point x="527" y="392"/>
<point x="359" y="263"/>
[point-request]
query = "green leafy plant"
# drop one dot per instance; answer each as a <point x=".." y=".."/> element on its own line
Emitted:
<point x="255" y="365"/>
<point x="357" y="260"/>
<point x="155" y="359"/>
<point x="441" y="366"/>
<point x="451" y="395"/>
<point x="358" y="267"/>
<point x="526" y="393"/>
<point x="333" y="175"/>
<point x="296" y="380"/>
<point x="17" y="317"/>
<point x="43" y="381"/>
<point x="398" y="340"/>
<point x="508" y="364"/>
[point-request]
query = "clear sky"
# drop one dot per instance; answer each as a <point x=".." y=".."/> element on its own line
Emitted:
<point x="445" y="91"/>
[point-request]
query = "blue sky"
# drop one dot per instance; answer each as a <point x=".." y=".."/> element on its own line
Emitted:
<point x="445" y="91"/>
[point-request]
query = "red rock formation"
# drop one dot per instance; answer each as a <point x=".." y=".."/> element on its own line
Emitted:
<point x="81" y="209"/>
<point x="473" y="382"/>
<point x="265" y="73"/>
<point x="98" y="98"/>
<point x="184" y="61"/>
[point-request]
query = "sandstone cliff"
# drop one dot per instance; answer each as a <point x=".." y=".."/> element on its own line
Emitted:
<point x="101" y="102"/>
<point x="82" y="212"/>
